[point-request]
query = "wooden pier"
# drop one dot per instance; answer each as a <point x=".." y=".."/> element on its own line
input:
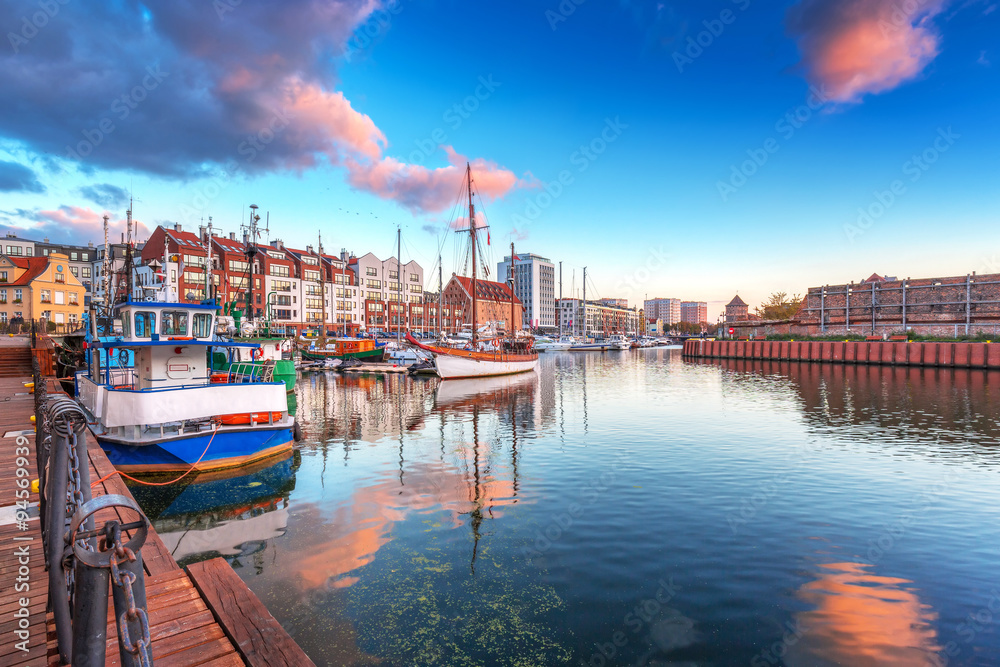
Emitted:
<point x="204" y="615"/>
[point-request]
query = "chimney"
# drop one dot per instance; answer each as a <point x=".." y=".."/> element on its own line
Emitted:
<point x="178" y="227"/>
<point x="309" y="249"/>
<point x="90" y="244"/>
<point x="279" y="244"/>
<point x="232" y="236"/>
<point x="201" y="233"/>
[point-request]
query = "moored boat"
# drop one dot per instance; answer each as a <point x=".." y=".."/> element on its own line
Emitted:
<point x="544" y="343"/>
<point x="364" y="349"/>
<point x="169" y="411"/>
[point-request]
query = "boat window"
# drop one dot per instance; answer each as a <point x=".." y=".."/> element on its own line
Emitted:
<point x="173" y="323"/>
<point x="201" y="326"/>
<point x="126" y="327"/>
<point x="145" y="324"/>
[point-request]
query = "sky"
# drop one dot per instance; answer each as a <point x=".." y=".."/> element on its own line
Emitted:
<point x="685" y="149"/>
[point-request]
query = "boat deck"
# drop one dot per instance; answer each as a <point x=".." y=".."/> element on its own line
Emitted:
<point x="204" y="615"/>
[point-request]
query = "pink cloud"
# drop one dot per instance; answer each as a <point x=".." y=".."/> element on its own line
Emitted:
<point x="424" y="189"/>
<point x="851" y="48"/>
<point x="78" y="225"/>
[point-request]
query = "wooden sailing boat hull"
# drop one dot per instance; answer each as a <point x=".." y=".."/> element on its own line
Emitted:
<point x="457" y="366"/>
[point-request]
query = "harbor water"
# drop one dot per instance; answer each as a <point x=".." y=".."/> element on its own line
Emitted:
<point x="623" y="508"/>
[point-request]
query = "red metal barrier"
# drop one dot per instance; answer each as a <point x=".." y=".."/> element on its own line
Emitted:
<point x="977" y="355"/>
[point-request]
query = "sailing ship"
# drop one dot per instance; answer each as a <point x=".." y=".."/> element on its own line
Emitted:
<point x="503" y="356"/>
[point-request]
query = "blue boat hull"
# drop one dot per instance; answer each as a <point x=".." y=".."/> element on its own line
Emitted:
<point x="229" y="447"/>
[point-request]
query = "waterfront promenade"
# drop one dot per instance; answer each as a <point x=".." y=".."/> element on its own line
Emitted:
<point x="201" y="615"/>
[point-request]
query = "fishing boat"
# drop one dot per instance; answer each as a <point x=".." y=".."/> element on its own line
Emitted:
<point x="500" y="356"/>
<point x="170" y="411"/>
<point x="364" y="349"/>
<point x="598" y="346"/>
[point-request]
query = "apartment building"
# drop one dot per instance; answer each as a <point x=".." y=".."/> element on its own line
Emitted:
<point x="534" y="285"/>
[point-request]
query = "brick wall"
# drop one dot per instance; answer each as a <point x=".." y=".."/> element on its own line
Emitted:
<point x="957" y="305"/>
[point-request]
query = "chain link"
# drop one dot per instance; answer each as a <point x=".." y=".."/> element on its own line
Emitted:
<point x="124" y="579"/>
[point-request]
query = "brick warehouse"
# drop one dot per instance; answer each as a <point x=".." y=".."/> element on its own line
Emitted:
<point x="953" y="306"/>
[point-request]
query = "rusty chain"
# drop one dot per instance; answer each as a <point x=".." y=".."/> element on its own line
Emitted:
<point x="124" y="580"/>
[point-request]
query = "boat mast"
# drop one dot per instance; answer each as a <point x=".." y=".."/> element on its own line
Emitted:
<point x="322" y="293"/>
<point x="107" y="269"/>
<point x="399" y="277"/>
<point x="559" y="310"/>
<point x="440" y="321"/>
<point x="128" y="255"/>
<point x="584" y="302"/>
<point x="472" y="235"/>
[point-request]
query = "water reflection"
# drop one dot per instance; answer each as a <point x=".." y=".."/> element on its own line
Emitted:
<point x="227" y="513"/>
<point x="859" y="618"/>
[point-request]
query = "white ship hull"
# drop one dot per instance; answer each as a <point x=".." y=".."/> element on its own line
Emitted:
<point x="451" y="367"/>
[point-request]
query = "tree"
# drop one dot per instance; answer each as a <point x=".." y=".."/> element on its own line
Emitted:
<point x="779" y="307"/>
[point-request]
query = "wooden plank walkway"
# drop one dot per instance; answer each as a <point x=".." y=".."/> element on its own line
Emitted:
<point x="187" y="628"/>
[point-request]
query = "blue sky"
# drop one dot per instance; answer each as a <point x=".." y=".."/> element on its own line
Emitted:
<point x="696" y="182"/>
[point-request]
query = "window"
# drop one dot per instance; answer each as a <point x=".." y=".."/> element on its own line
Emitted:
<point x="3" y="316"/>
<point x="31" y="251"/>
<point x="394" y="275"/>
<point x="416" y="289"/>
<point x="173" y="275"/>
<point x="393" y="286"/>
<point x="374" y="296"/>
<point x="74" y="256"/>
<point x="414" y="278"/>
<point x="311" y="275"/>
<point x="279" y="270"/>
<point x="283" y="286"/>
<point x="17" y="296"/>
<point x="86" y="272"/>
<point x="60" y="298"/>
<point x="374" y="284"/>
<point x="72" y="318"/>
<point x="311" y="261"/>
<point x="73" y="299"/>
<point x="14" y="250"/>
<point x="314" y="303"/>
<point x="194" y="260"/>
<point x="145" y="324"/>
<point x="283" y="300"/>
<point x="201" y="325"/>
<point x="3" y="276"/>
<point x="3" y="296"/>
<point x="46" y="296"/>
<point x="60" y="277"/>
<point x="342" y="279"/>
<point x="174" y="323"/>
<point x="371" y="271"/>
<point x="85" y="256"/>
<point x="238" y="266"/>
<point x="75" y="271"/>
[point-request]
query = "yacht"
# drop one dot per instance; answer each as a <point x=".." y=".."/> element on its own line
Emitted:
<point x="544" y="343"/>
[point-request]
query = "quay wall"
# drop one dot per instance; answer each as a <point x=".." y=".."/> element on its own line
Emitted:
<point x="949" y="355"/>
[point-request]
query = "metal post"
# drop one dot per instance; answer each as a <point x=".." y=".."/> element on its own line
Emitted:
<point x="968" y="303"/>
<point x="55" y="524"/>
<point x="904" y="305"/>
<point x="129" y="627"/>
<point x="822" y="309"/>
<point x="847" y="308"/>
<point x="873" y="309"/>
<point x="90" y="613"/>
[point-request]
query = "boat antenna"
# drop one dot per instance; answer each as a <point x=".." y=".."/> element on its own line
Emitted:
<point x="208" y="261"/>
<point x="513" y="258"/>
<point x="322" y="291"/>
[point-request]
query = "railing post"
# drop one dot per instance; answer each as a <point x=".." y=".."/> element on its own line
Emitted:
<point x="55" y="526"/>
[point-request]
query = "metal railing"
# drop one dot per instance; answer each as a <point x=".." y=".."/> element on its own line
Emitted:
<point x="81" y="559"/>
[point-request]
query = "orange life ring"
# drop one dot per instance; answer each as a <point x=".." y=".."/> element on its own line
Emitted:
<point x="258" y="354"/>
<point x="247" y="417"/>
<point x="220" y="378"/>
<point x="181" y="338"/>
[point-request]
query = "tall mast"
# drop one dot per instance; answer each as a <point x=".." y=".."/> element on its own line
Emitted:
<point x="128" y="255"/>
<point x="472" y="234"/>
<point x="512" y="258"/>
<point x="440" y="322"/>
<point x="584" y="302"/>
<point x="251" y="252"/>
<point x="399" y="277"/>
<point x="322" y="293"/>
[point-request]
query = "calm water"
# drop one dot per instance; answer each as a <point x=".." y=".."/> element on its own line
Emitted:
<point x="624" y="508"/>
